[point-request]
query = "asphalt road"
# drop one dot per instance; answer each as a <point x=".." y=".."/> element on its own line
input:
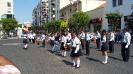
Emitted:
<point x="39" y="60"/>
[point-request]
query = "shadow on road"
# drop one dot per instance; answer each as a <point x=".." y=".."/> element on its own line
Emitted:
<point x="131" y="56"/>
<point x="92" y="59"/>
<point x="67" y="62"/>
<point x="115" y="58"/>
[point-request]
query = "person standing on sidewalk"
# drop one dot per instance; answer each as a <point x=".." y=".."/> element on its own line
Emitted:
<point x="104" y="47"/>
<point x="111" y="41"/>
<point x="125" y="46"/>
<point x="76" y="51"/>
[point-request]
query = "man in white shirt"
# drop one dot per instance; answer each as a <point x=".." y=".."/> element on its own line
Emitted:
<point x="88" y="38"/>
<point x="43" y="36"/>
<point x="82" y="38"/>
<point x="125" y="50"/>
<point x="111" y="41"/>
<point x="98" y="37"/>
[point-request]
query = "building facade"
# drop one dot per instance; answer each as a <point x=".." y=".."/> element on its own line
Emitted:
<point x="40" y="13"/>
<point x="6" y="9"/>
<point x="53" y="10"/>
<point x="94" y="8"/>
<point x="123" y="7"/>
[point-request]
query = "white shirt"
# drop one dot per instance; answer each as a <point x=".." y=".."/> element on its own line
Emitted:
<point x="104" y="39"/>
<point x="98" y="35"/>
<point x="127" y="38"/>
<point x="76" y="43"/>
<point x="43" y="37"/>
<point x="82" y="35"/>
<point x="69" y="36"/>
<point x="9" y="69"/>
<point x="88" y="37"/>
<point x="64" y="39"/>
<point x="112" y="36"/>
<point x="52" y="38"/>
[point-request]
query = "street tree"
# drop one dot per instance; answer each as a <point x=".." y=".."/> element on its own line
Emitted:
<point x="53" y="25"/>
<point x="64" y="25"/>
<point x="114" y="20"/>
<point x="9" y="24"/>
<point x="79" y="21"/>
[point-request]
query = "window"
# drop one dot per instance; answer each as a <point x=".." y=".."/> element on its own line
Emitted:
<point x="9" y="11"/>
<point x="120" y="2"/>
<point x="8" y="4"/>
<point x="114" y="3"/>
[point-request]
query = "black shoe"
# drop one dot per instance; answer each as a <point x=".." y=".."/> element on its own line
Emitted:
<point x="77" y="67"/>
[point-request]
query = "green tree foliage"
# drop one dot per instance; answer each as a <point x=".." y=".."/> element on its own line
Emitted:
<point x="9" y="24"/>
<point x="114" y="19"/>
<point x="64" y="25"/>
<point x="53" y="25"/>
<point x="79" y="20"/>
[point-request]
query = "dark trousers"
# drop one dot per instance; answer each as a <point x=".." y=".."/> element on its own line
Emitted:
<point x="87" y="47"/>
<point x="125" y="52"/>
<point x="43" y="43"/>
<point x="111" y="46"/>
<point x="98" y="43"/>
<point x="83" y="43"/>
<point x="33" y="40"/>
<point x="30" y="40"/>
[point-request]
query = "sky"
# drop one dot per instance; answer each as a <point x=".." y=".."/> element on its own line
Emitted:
<point x="23" y="10"/>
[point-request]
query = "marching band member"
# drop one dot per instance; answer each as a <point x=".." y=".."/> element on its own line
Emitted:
<point x="63" y="44"/>
<point x="104" y="47"/>
<point x="82" y="38"/>
<point x="75" y="53"/>
<point x="88" y="38"/>
<point x="111" y="41"/>
<point x="98" y="37"/>
<point x="25" y="41"/>
<point x="125" y="50"/>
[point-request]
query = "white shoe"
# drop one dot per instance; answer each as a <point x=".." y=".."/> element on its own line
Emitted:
<point x="104" y="62"/>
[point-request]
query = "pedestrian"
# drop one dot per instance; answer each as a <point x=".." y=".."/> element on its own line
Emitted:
<point x="43" y="37"/>
<point x="33" y="37"/>
<point x="111" y="41"/>
<point x="75" y="53"/>
<point x="125" y="46"/>
<point x="56" y="46"/>
<point x="63" y="44"/>
<point x="88" y="38"/>
<point x="51" y="39"/>
<point x="104" y="47"/>
<point x="82" y="39"/>
<point x="98" y="37"/>
<point x="25" y="41"/>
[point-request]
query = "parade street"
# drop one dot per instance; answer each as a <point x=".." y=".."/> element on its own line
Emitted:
<point x="39" y="60"/>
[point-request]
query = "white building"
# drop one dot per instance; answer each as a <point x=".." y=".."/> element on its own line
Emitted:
<point x="124" y="7"/>
<point x="94" y="8"/>
<point x="6" y="9"/>
<point x="53" y="10"/>
<point x="40" y="13"/>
